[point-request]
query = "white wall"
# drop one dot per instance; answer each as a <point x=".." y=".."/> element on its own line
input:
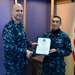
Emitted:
<point x="67" y="13"/>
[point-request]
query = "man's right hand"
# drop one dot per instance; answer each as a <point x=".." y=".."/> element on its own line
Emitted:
<point x="53" y="50"/>
<point x="29" y="53"/>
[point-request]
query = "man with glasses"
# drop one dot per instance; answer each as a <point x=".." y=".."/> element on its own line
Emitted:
<point x="54" y="64"/>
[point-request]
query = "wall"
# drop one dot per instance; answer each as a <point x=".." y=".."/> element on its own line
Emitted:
<point x="5" y="15"/>
<point x="67" y="13"/>
<point x="38" y="18"/>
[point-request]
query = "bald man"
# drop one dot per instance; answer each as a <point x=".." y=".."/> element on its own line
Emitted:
<point x="16" y="44"/>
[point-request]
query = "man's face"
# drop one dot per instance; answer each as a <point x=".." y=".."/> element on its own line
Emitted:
<point x="17" y="12"/>
<point x="56" y="23"/>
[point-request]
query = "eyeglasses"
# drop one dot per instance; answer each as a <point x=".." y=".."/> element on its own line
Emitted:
<point x="55" y="21"/>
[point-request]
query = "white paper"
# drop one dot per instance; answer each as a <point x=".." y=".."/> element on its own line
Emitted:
<point x="43" y="46"/>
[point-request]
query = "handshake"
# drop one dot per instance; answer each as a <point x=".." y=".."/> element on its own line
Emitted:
<point x="30" y="53"/>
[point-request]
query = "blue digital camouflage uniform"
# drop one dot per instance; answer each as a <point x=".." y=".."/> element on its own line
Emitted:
<point x="54" y="63"/>
<point x="15" y="46"/>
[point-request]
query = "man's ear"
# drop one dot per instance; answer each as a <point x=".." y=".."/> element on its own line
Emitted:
<point x="12" y="12"/>
<point x="60" y="23"/>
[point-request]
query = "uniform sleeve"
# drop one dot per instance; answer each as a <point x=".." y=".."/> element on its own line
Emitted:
<point x="10" y="46"/>
<point x="66" y="50"/>
<point x="29" y="44"/>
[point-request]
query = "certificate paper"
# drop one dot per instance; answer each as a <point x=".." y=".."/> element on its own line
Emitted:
<point x="43" y="46"/>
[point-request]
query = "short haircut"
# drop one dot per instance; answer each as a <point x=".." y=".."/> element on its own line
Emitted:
<point x="57" y="17"/>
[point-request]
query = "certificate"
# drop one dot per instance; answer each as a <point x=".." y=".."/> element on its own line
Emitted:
<point x="43" y="46"/>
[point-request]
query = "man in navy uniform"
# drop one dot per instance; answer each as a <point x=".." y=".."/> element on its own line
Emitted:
<point x="16" y="44"/>
<point x="54" y="64"/>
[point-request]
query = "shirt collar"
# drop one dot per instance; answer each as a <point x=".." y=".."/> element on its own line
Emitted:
<point x="16" y="25"/>
<point x="55" y="32"/>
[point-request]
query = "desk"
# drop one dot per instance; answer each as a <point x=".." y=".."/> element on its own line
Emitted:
<point x="34" y="66"/>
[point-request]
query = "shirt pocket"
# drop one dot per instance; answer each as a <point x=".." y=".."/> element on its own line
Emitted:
<point x="59" y="43"/>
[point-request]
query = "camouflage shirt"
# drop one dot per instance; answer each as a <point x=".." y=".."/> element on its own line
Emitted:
<point x="54" y="63"/>
<point x="15" y="46"/>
